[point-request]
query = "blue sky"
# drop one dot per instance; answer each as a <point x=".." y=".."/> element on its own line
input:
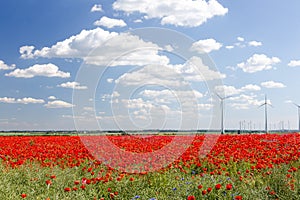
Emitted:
<point x="68" y="65"/>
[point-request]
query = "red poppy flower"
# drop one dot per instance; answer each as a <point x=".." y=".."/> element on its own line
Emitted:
<point x="48" y="182"/>
<point x="228" y="186"/>
<point x="218" y="186"/>
<point x="191" y="198"/>
<point x="238" y="197"/>
<point x="209" y="189"/>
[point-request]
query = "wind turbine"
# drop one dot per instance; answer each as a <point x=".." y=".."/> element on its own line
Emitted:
<point x="222" y="112"/>
<point x="298" y="114"/>
<point x="266" y="113"/>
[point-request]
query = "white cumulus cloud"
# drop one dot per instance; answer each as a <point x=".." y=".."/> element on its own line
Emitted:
<point x="190" y="13"/>
<point x="52" y="97"/>
<point x="58" y="104"/>
<point x="294" y="63"/>
<point x="150" y="74"/>
<point x="25" y="100"/>
<point x="47" y="70"/>
<point x="7" y="100"/>
<point x="229" y="47"/>
<point x="105" y="47"/>
<point x="73" y="85"/>
<point x="76" y="46"/>
<point x="138" y="21"/>
<point x="195" y="70"/>
<point x="97" y="8"/>
<point x="255" y="43"/>
<point x="241" y="39"/>
<point x="272" y="84"/>
<point x="171" y="96"/>
<point x="28" y="100"/>
<point x="229" y="90"/>
<point x="258" y="62"/>
<point x="226" y="90"/>
<point x="176" y="75"/>
<point x="110" y="80"/>
<point x="250" y="87"/>
<point x="26" y="52"/>
<point x="109" y="22"/>
<point x="206" y="46"/>
<point x="243" y="101"/>
<point x="4" y="66"/>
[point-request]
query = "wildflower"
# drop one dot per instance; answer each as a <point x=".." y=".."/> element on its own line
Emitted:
<point x="48" y="182"/>
<point x="218" y="186"/>
<point x="228" y="186"/>
<point x="204" y="192"/>
<point x="67" y="189"/>
<point x="209" y="189"/>
<point x="272" y="192"/>
<point x="76" y="182"/>
<point x="83" y="181"/>
<point x="53" y="177"/>
<point x="23" y="195"/>
<point x="238" y="197"/>
<point x="88" y="181"/>
<point x="82" y="187"/>
<point x="200" y="186"/>
<point x="90" y="169"/>
<point x="191" y="198"/>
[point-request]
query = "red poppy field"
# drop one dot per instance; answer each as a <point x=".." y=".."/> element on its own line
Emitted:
<point x="179" y="167"/>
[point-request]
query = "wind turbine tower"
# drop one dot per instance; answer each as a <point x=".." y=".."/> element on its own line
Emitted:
<point x="222" y="112"/>
<point x="298" y="115"/>
<point x="266" y="113"/>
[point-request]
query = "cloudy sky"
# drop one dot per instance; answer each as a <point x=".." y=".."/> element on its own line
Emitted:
<point x="72" y="64"/>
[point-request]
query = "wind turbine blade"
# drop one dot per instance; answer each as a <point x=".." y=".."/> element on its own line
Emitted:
<point x="228" y="97"/>
<point x="219" y="96"/>
<point x="296" y="105"/>
<point x="261" y="105"/>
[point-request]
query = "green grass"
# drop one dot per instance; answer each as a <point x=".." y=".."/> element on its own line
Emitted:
<point x="166" y="184"/>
